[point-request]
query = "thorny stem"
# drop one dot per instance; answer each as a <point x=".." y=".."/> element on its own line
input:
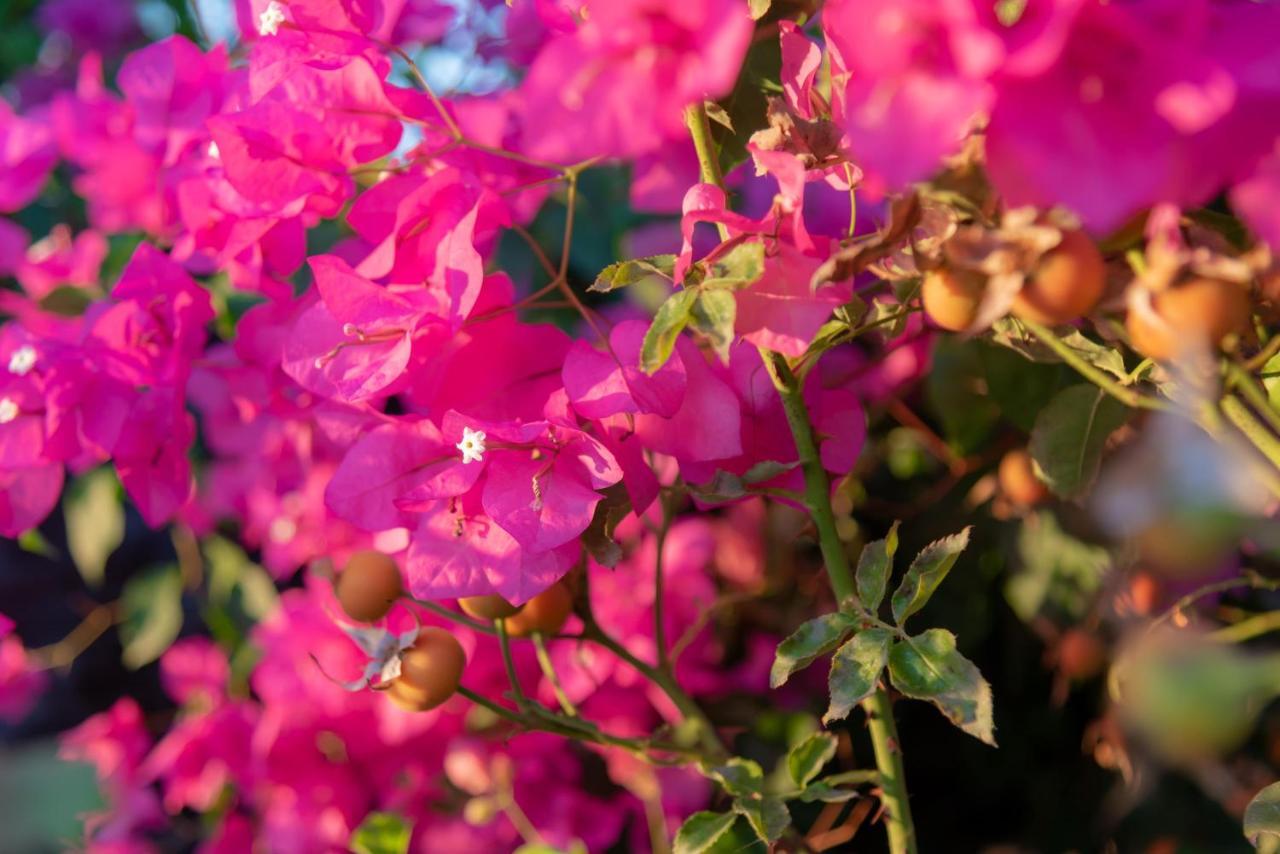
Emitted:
<point x="818" y="498"/>
<point x="878" y="708"/>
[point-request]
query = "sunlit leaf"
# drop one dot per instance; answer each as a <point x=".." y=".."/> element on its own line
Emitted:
<point x="814" y="638"/>
<point x="855" y="670"/>
<point x="925" y="574"/>
<point x="929" y="667"/>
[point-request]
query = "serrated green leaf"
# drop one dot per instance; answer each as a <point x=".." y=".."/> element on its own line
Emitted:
<point x="1070" y="435"/>
<point x="626" y="273"/>
<point x="717" y="113"/>
<point x="814" y="638"/>
<point x="855" y="670"/>
<point x="723" y="486"/>
<point x="151" y="605"/>
<point x="713" y="316"/>
<point x="95" y="522"/>
<point x="701" y="830"/>
<point x="875" y="565"/>
<point x="925" y="574"/>
<point x="929" y="667"/>
<point x="382" y="833"/>
<point x="806" y="760"/>
<point x="1262" y="816"/>
<point x="739" y="777"/>
<point x="668" y="323"/>
<point x="767" y="815"/>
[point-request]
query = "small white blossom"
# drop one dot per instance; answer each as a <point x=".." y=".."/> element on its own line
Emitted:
<point x="22" y="360"/>
<point x="472" y="445"/>
<point x="8" y="410"/>
<point x="283" y="529"/>
<point x="214" y="151"/>
<point x="270" y="20"/>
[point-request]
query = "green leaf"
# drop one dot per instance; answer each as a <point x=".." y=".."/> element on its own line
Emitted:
<point x="723" y="486"/>
<point x="34" y="542"/>
<point x="758" y="8"/>
<point x="747" y="105"/>
<point x="926" y="573"/>
<point x="67" y="301"/>
<point x="1262" y="816"/>
<point x="713" y="316"/>
<point x="875" y="565"/>
<point x="814" y="638"/>
<point x="151" y="605"/>
<point x="739" y="777"/>
<point x="929" y="667"/>
<point x="826" y="793"/>
<point x="735" y="269"/>
<point x="855" y="670"/>
<point x="717" y="113"/>
<point x="766" y="814"/>
<point x="95" y="522"/>
<point x="382" y="833"/>
<point x="1070" y="434"/>
<point x="668" y="323"/>
<point x="701" y="830"/>
<point x="1057" y="571"/>
<point x="1007" y="332"/>
<point x="625" y="273"/>
<point x="235" y="582"/>
<point x="806" y="760"/>
<point x="957" y="390"/>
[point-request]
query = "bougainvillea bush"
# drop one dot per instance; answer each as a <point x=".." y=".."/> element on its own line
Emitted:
<point x="621" y="425"/>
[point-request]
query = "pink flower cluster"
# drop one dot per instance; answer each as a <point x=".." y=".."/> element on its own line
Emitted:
<point x="300" y="763"/>
<point x="1105" y="108"/>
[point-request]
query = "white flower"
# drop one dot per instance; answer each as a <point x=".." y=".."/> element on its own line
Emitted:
<point x="472" y="445"/>
<point x="22" y="360"/>
<point x="214" y="152"/>
<point x="8" y="410"/>
<point x="270" y="20"/>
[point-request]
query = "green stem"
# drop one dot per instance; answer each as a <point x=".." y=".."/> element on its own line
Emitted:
<point x="893" y="788"/>
<point x="1127" y="396"/>
<point x="1253" y="392"/>
<point x="548" y="670"/>
<point x="695" y="117"/>
<point x="659" y="588"/>
<point x="1257" y="434"/>
<point x="817" y="487"/>
<point x="818" y="499"/>
<point x="504" y="641"/>
<point x="687" y="706"/>
<point x="879" y="711"/>
<point x="1246" y="629"/>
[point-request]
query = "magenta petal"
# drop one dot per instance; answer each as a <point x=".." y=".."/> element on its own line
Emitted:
<point x="543" y="504"/>
<point x="382" y="466"/>
<point x="27" y="496"/>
